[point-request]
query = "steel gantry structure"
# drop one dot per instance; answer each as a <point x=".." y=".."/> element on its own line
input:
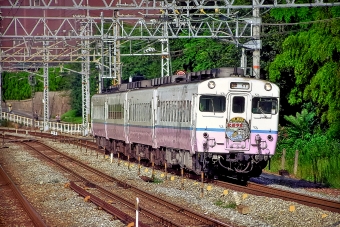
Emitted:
<point x="42" y="33"/>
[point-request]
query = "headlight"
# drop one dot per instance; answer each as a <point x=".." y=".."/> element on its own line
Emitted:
<point x="211" y="84"/>
<point x="267" y="86"/>
<point x="205" y="135"/>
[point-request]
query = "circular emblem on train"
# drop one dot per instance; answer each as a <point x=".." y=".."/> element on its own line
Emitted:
<point x="237" y="129"/>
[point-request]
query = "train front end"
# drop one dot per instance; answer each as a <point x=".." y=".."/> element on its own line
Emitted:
<point x="237" y="125"/>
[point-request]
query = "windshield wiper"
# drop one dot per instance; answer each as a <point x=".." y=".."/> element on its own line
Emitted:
<point x="261" y="110"/>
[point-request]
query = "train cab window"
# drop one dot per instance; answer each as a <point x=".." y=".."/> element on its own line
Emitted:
<point x="238" y="104"/>
<point x="210" y="103"/>
<point x="264" y="105"/>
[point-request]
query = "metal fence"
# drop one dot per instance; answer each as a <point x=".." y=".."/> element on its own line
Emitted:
<point x="52" y="125"/>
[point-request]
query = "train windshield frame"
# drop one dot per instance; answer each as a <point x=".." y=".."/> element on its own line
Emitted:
<point x="265" y="105"/>
<point x="212" y="103"/>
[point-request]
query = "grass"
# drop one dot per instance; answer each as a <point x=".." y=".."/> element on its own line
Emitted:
<point x="157" y="181"/>
<point x="322" y="170"/>
<point x="228" y="205"/>
<point x="71" y="117"/>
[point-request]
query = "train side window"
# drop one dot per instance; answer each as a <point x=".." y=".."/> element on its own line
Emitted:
<point x="112" y="113"/>
<point x="130" y="111"/>
<point x="172" y="111"/>
<point x="133" y="112"/>
<point x="162" y="111"/>
<point x="186" y="111"/>
<point x="176" y="118"/>
<point x="139" y="114"/>
<point x="143" y="112"/>
<point x="167" y="111"/>
<point x="109" y="111"/>
<point x="238" y="105"/>
<point x="149" y="111"/>
<point x="189" y="111"/>
<point x="181" y="111"/>
<point x="209" y="103"/>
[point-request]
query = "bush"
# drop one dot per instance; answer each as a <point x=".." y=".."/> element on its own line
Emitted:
<point x="4" y="122"/>
<point x="319" y="159"/>
<point x="71" y="117"/>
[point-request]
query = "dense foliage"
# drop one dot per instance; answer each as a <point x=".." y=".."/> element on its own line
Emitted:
<point x="200" y="54"/>
<point x="307" y="71"/>
<point x="22" y="85"/>
<point x="310" y="59"/>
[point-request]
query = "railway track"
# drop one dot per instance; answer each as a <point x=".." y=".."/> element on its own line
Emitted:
<point x="153" y="211"/>
<point x="262" y="190"/>
<point x="251" y="188"/>
<point x="14" y="208"/>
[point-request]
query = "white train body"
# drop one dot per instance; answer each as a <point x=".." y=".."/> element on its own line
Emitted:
<point x="218" y="125"/>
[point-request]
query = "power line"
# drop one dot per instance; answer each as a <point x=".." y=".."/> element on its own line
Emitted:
<point x="300" y="23"/>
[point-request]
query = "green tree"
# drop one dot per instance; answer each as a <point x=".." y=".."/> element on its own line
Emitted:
<point x="15" y="86"/>
<point x="200" y="54"/>
<point x="311" y="58"/>
<point x="301" y="125"/>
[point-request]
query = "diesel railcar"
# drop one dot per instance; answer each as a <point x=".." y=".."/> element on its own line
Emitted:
<point x="216" y="121"/>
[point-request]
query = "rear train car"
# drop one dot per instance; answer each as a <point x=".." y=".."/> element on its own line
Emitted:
<point x="212" y="121"/>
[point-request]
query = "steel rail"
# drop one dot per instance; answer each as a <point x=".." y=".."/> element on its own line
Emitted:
<point x="324" y="204"/>
<point x="262" y="190"/>
<point x="28" y="208"/>
<point x="203" y="219"/>
<point x="104" y="205"/>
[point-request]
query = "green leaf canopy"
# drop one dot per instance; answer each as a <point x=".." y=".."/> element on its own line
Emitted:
<point x="312" y="57"/>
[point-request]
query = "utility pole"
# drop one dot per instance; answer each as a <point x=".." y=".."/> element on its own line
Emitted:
<point x="116" y="49"/>
<point x="46" y="85"/>
<point x="101" y="66"/>
<point x="32" y="82"/>
<point x="256" y="35"/>
<point x="85" y="75"/>
<point x="165" y="47"/>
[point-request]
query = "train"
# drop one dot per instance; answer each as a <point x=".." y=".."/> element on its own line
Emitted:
<point x="218" y="122"/>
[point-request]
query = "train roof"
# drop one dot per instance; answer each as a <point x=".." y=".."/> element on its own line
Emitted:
<point x="192" y="77"/>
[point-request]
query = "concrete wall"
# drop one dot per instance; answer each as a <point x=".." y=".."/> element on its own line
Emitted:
<point x="58" y="102"/>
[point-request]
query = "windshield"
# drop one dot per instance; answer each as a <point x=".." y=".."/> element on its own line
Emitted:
<point x="209" y="103"/>
<point x="264" y="105"/>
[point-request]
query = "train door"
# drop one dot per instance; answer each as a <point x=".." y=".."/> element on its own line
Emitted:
<point x="193" y="122"/>
<point x="126" y="117"/>
<point x="106" y="107"/>
<point x="155" y="108"/>
<point x="238" y="121"/>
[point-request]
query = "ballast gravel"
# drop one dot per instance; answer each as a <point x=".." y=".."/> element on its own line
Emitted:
<point x="44" y="187"/>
